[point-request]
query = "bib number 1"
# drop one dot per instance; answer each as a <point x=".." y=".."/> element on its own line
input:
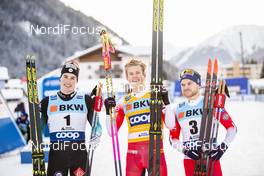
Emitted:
<point x="68" y="120"/>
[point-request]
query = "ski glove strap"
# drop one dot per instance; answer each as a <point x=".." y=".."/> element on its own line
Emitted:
<point x="217" y="153"/>
<point x="98" y="103"/>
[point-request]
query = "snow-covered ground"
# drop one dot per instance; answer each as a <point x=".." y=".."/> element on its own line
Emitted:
<point x="243" y="158"/>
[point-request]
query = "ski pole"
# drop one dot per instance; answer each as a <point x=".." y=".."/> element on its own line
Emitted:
<point x="97" y="108"/>
<point x="108" y="48"/>
<point x="219" y="105"/>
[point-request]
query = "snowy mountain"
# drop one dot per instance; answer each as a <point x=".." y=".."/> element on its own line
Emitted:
<point x="226" y="46"/>
<point x="46" y="28"/>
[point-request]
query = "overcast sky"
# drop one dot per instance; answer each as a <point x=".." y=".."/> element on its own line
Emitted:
<point x="186" y="22"/>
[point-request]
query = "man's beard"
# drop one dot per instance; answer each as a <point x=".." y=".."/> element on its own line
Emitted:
<point x="192" y="93"/>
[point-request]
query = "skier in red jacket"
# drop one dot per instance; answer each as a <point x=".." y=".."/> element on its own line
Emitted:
<point x="188" y="121"/>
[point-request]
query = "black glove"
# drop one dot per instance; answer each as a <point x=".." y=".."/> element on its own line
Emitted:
<point x="93" y="93"/>
<point x="193" y="154"/>
<point x="165" y="96"/>
<point x="218" y="152"/>
<point x="109" y="103"/>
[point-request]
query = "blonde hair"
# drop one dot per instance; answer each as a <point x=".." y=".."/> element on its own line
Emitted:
<point x="136" y="62"/>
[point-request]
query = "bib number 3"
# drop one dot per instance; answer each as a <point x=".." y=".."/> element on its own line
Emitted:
<point x="194" y="128"/>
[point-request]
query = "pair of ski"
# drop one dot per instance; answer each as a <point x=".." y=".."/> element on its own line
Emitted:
<point x="213" y="103"/>
<point x="155" y="131"/>
<point x="35" y="130"/>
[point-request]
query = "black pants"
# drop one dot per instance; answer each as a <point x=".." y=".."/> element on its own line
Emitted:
<point x="66" y="156"/>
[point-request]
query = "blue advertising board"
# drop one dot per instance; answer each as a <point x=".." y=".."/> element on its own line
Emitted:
<point x="50" y="85"/>
<point x="241" y="82"/>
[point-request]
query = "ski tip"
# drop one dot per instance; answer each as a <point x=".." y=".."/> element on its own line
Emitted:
<point x="30" y="57"/>
<point x="215" y="66"/>
<point x="209" y="66"/>
<point x="102" y="32"/>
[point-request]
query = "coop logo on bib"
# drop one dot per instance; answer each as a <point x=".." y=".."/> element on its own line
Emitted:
<point x="139" y="119"/>
<point x="67" y="136"/>
<point x="73" y="135"/>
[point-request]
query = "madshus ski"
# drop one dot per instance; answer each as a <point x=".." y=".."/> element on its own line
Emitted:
<point x="201" y="165"/>
<point x="155" y="131"/>
<point x="108" y="48"/>
<point x="35" y="130"/>
<point x="97" y="108"/>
